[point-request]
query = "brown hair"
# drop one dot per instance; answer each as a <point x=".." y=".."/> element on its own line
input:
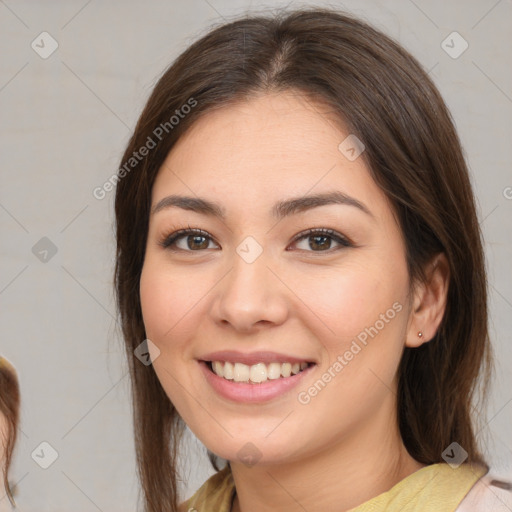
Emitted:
<point x="382" y="94"/>
<point x="9" y="409"/>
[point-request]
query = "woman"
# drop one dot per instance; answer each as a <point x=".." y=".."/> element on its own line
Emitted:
<point x="297" y="245"/>
<point x="9" y="415"/>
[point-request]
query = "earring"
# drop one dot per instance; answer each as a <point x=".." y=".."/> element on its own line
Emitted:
<point x="420" y="334"/>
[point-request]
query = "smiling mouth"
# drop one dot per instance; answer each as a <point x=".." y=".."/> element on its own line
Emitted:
<point x="256" y="373"/>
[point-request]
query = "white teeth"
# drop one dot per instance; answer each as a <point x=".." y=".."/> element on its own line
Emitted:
<point x="286" y="369"/>
<point x="218" y="368"/>
<point x="228" y="370"/>
<point x="241" y="372"/>
<point x="256" y="373"/>
<point x="274" y="371"/>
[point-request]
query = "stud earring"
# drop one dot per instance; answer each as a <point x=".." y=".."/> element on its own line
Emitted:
<point x="420" y="334"/>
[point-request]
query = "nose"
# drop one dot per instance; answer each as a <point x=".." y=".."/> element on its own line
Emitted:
<point x="250" y="296"/>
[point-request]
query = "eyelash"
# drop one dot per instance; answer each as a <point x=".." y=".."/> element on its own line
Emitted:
<point x="168" y="241"/>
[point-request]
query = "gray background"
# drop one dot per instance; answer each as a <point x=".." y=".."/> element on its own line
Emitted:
<point x="64" y="123"/>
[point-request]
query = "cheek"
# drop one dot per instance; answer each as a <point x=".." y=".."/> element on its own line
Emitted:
<point x="368" y="318"/>
<point x="154" y="298"/>
<point x="168" y="298"/>
<point x="353" y="297"/>
<point x="167" y="303"/>
<point x="363" y="313"/>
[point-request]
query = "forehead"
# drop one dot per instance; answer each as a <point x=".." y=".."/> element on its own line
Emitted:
<point x="264" y="149"/>
<point x="283" y="126"/>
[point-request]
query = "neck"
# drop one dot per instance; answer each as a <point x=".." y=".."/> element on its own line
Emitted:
<point x="347" y="473"/>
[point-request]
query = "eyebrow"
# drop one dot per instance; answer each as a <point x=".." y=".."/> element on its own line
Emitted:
<point x="279" y="210"/>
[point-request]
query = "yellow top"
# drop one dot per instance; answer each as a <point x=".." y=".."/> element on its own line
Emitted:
<point x="434" y="488"/>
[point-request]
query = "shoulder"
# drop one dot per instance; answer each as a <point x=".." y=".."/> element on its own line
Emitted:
<point x="489" y="493"/>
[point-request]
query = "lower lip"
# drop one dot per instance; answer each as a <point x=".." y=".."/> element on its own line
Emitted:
<point x="252" y="393"/>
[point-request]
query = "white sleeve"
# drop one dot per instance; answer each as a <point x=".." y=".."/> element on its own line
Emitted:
<point x="489" y="494"/>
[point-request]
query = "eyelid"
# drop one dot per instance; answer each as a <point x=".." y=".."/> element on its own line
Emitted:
<point x="342" y="240"/>
<point x="175" y="234"/>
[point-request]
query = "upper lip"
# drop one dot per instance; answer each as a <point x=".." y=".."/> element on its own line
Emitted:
<point x="251" y="358"/>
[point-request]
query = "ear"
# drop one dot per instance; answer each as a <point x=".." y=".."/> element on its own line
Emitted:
<point x="429" y="302"/>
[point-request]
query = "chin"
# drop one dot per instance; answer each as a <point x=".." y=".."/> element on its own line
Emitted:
<point x="251" y="447"/>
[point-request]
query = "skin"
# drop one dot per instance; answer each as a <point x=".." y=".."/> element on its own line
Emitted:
<point x="295" y="298"/>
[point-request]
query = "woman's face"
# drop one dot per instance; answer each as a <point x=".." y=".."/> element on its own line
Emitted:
<point x="248" y="290"/>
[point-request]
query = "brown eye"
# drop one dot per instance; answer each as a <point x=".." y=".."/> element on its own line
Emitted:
<point x="195" y="242"/>
<point x="321" y="240"/>
<point x="187" y="240"/>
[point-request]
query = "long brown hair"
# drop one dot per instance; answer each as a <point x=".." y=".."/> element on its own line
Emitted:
<point x="9" y="416"/>
<point x="383" y="95"/>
